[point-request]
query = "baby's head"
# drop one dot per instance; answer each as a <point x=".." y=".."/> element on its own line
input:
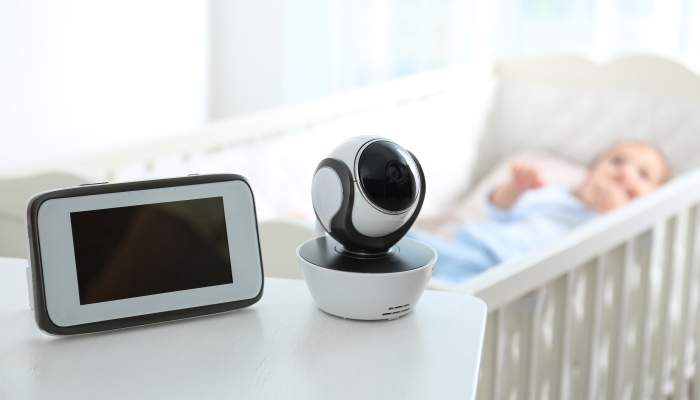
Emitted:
<point x="623" y="172"/>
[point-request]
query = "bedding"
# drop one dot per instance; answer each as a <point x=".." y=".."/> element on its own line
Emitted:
<point x="558" y="171"/>
<point x="579" y="121"/>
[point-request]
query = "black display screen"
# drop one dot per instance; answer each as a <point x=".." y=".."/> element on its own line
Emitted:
<point x="142" y="250"/>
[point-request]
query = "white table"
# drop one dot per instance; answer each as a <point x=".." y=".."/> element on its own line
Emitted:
<point x="281" y="348"/>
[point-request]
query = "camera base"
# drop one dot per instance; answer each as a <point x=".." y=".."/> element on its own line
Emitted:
<point x="366" y="288"/>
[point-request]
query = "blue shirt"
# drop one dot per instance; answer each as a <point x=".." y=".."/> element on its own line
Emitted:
<point x="539" y="216"/>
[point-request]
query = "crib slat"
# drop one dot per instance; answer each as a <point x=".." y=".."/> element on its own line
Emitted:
<point x="488" y="357"/>
<point x="662" y="367"/>
<point x="658" y="235"/>
<point x="529" y="348"/>
<point x="616" y="356"/>
<point x="595" y="308"/>
<point x="696" y="380"/>
<point x="688" y="306"/>
<point x="561" y="368"/>
<point x="535" y="330"/>
<point x="500" y="349"/>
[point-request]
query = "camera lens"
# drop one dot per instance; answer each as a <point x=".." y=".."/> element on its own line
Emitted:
<point x="387" y="176"/>
<point x="396" y="172"/>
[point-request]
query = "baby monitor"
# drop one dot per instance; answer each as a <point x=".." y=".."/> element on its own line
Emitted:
<point x="110" y="256"/>
<point x="366" y="195"/>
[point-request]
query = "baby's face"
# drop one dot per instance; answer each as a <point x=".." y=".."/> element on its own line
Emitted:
<point x="623" y="173"/>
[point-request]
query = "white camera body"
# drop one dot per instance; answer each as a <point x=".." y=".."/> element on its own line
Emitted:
<point x="366" y="195"/>
<point x="368" y="218"/>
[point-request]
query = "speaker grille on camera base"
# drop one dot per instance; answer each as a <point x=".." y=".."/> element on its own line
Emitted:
<point x="397" y="310"/>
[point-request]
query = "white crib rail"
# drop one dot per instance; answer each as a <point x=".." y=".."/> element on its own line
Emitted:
<point x="609" y="311"/>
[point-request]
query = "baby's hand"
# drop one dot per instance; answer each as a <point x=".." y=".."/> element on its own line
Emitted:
<point x="523" y="177"/>
<point x="526" y="176"/>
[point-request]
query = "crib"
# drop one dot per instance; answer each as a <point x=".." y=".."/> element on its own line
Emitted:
<point x="607" y="311"/>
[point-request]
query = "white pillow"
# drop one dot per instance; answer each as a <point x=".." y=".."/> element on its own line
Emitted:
<point x="557" y="170"/>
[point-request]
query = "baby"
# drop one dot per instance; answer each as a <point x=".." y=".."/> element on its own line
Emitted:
<point x="525" y="213"/>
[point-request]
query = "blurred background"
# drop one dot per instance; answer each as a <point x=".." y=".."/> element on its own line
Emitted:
<point x="78" y="77"/>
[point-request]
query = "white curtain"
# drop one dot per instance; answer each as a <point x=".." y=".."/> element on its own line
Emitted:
<point x="334" y="45"/>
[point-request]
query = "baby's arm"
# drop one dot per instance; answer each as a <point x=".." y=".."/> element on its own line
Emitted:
<point x="522" y="177"/>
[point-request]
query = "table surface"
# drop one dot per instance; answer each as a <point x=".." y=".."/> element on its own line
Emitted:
<point x="281" y="347"/>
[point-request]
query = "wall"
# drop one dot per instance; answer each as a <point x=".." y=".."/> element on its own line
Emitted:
<point x="79" y="76"/>
<point x="246" y="56"/>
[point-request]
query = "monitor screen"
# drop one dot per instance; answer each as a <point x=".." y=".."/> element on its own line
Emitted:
<point x="149" y="249"/>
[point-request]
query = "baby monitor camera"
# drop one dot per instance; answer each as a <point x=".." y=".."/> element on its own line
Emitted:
<point x="366" y="196"/>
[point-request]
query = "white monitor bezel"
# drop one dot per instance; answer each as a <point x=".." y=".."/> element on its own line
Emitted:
<point x="58" y="258"/>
